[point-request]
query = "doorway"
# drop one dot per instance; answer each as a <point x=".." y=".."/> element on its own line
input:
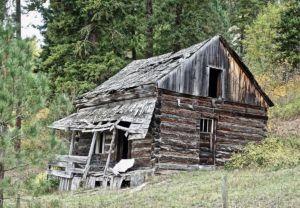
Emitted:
<point x="123" y="145"/>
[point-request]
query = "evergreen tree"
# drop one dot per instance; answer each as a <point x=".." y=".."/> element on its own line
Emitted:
<point x="22" y="94"/>
<point x="288" y="37"/>
<point x="3" y="10"/>
<point x="181" y="23"/>
<point x="242" y="13"/>
<point x="86" y="42"/>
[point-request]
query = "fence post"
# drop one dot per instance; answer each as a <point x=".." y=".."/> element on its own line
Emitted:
<point x="18" y="202"/>
<point x="224" y="192"/>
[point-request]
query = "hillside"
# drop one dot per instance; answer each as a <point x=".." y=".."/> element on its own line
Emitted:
<point x="246" y="188"/>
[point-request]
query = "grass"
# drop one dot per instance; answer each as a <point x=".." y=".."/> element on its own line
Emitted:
<point x="286" y="111"/>
<point x="247" y="188"/>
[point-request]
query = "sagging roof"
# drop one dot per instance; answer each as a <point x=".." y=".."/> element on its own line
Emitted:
<point x="150" y="71"/>
<point x="143" y="72"/>
<point x="102" y="118"/>
<point x="138" y="73"/>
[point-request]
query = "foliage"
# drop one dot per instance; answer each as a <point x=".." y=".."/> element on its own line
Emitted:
<point x="3" y="10"/>
<point x="39" y="184"/>
<point x="180" y="24"/>
<point x="25" y="94"/>
<point x="287" y="111"/>
<point x="272" y="153"/>
<point x="100" y="37"/>
<point x="288" y="38"/>
<point x="260" y="49"/>
<point x="242" y="13"/>
<point x="278" y="78"/>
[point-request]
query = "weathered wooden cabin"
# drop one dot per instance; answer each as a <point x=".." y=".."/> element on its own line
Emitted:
<point x="181" y="111"/>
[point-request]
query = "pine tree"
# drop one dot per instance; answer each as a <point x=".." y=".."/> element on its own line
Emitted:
<point x="288" y="38"/>
<point x="22" y="93"/>
<point x="3" y="10"/>
<point x="86" y="42"/>
<point x="181" y="23"/>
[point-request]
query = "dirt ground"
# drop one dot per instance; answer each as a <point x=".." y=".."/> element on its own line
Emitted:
<point x="285" y="127"/>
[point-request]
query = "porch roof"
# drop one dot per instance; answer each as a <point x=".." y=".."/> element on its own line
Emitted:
<point x="138" y="112"/>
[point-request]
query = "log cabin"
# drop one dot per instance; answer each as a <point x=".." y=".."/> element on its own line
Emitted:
<point x="178" y="111"/>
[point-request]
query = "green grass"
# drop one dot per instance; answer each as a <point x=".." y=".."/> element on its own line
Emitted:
<point x="290" y="110"/>
<point x="247" y="188"/>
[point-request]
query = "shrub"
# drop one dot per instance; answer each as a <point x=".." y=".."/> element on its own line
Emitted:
<point x="273" y="153"/>
<point x="39" y="184"/>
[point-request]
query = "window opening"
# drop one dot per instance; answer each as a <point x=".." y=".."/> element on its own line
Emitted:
<point x="100" y="143"/>
<point x="206" y="125"/>
<point x="215" y="84"/>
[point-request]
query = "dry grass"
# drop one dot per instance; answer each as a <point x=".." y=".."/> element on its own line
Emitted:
<point x="247" y="188"/>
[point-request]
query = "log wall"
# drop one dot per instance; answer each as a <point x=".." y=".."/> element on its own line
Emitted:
<point x="177" y="141"/>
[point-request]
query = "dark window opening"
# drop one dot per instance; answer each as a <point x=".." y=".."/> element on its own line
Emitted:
<point x="125" y="184"/>
<point x="215" y="85"/>
<point x="97" y="183"/>
<point x="123" y="145"/>
<point x="205" y="125"/>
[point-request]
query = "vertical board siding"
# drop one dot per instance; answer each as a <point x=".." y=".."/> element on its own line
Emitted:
<point x="178" y="143"/>
<point x="192" y="77"/>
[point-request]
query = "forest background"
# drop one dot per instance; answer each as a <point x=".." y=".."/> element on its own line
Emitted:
<point x="86" y="42"/>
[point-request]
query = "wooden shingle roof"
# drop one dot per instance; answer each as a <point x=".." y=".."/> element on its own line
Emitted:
<point x="143" y="72"/>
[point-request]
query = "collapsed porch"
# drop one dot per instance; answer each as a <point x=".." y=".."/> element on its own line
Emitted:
<point x="101" y="137"/>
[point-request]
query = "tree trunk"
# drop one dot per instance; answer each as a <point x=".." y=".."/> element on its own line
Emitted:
<point x="18" y="18"/>
<point x="1" y="175"/>
<point x="2" y="153"/>
<point x="18" y="126"/>
<point x="149" y="31"/>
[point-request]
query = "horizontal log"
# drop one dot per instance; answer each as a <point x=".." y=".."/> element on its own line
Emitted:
<point x="178" y="143"/>
<point x="141" y="152"/>
<point x="182" y="128"/>
<point x="207" y="102"/>
<point x="93" y="99"/>
<point x="59" y="173"/>
<point x="72" y="158"/>
<point x="76" y="170"/>
<point x="141" y="143"/>
<point x="166" y="149"/>
<point x="178" y="159"/>
<point x="166" y="118"/>
<point x="238" y="128"/>
<point x="172" y="97"/>
<point x="238" y="135"/>
<point x="229" y="147"/>
<point x="243" y="121"/>
<point x="172" y="166"/>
